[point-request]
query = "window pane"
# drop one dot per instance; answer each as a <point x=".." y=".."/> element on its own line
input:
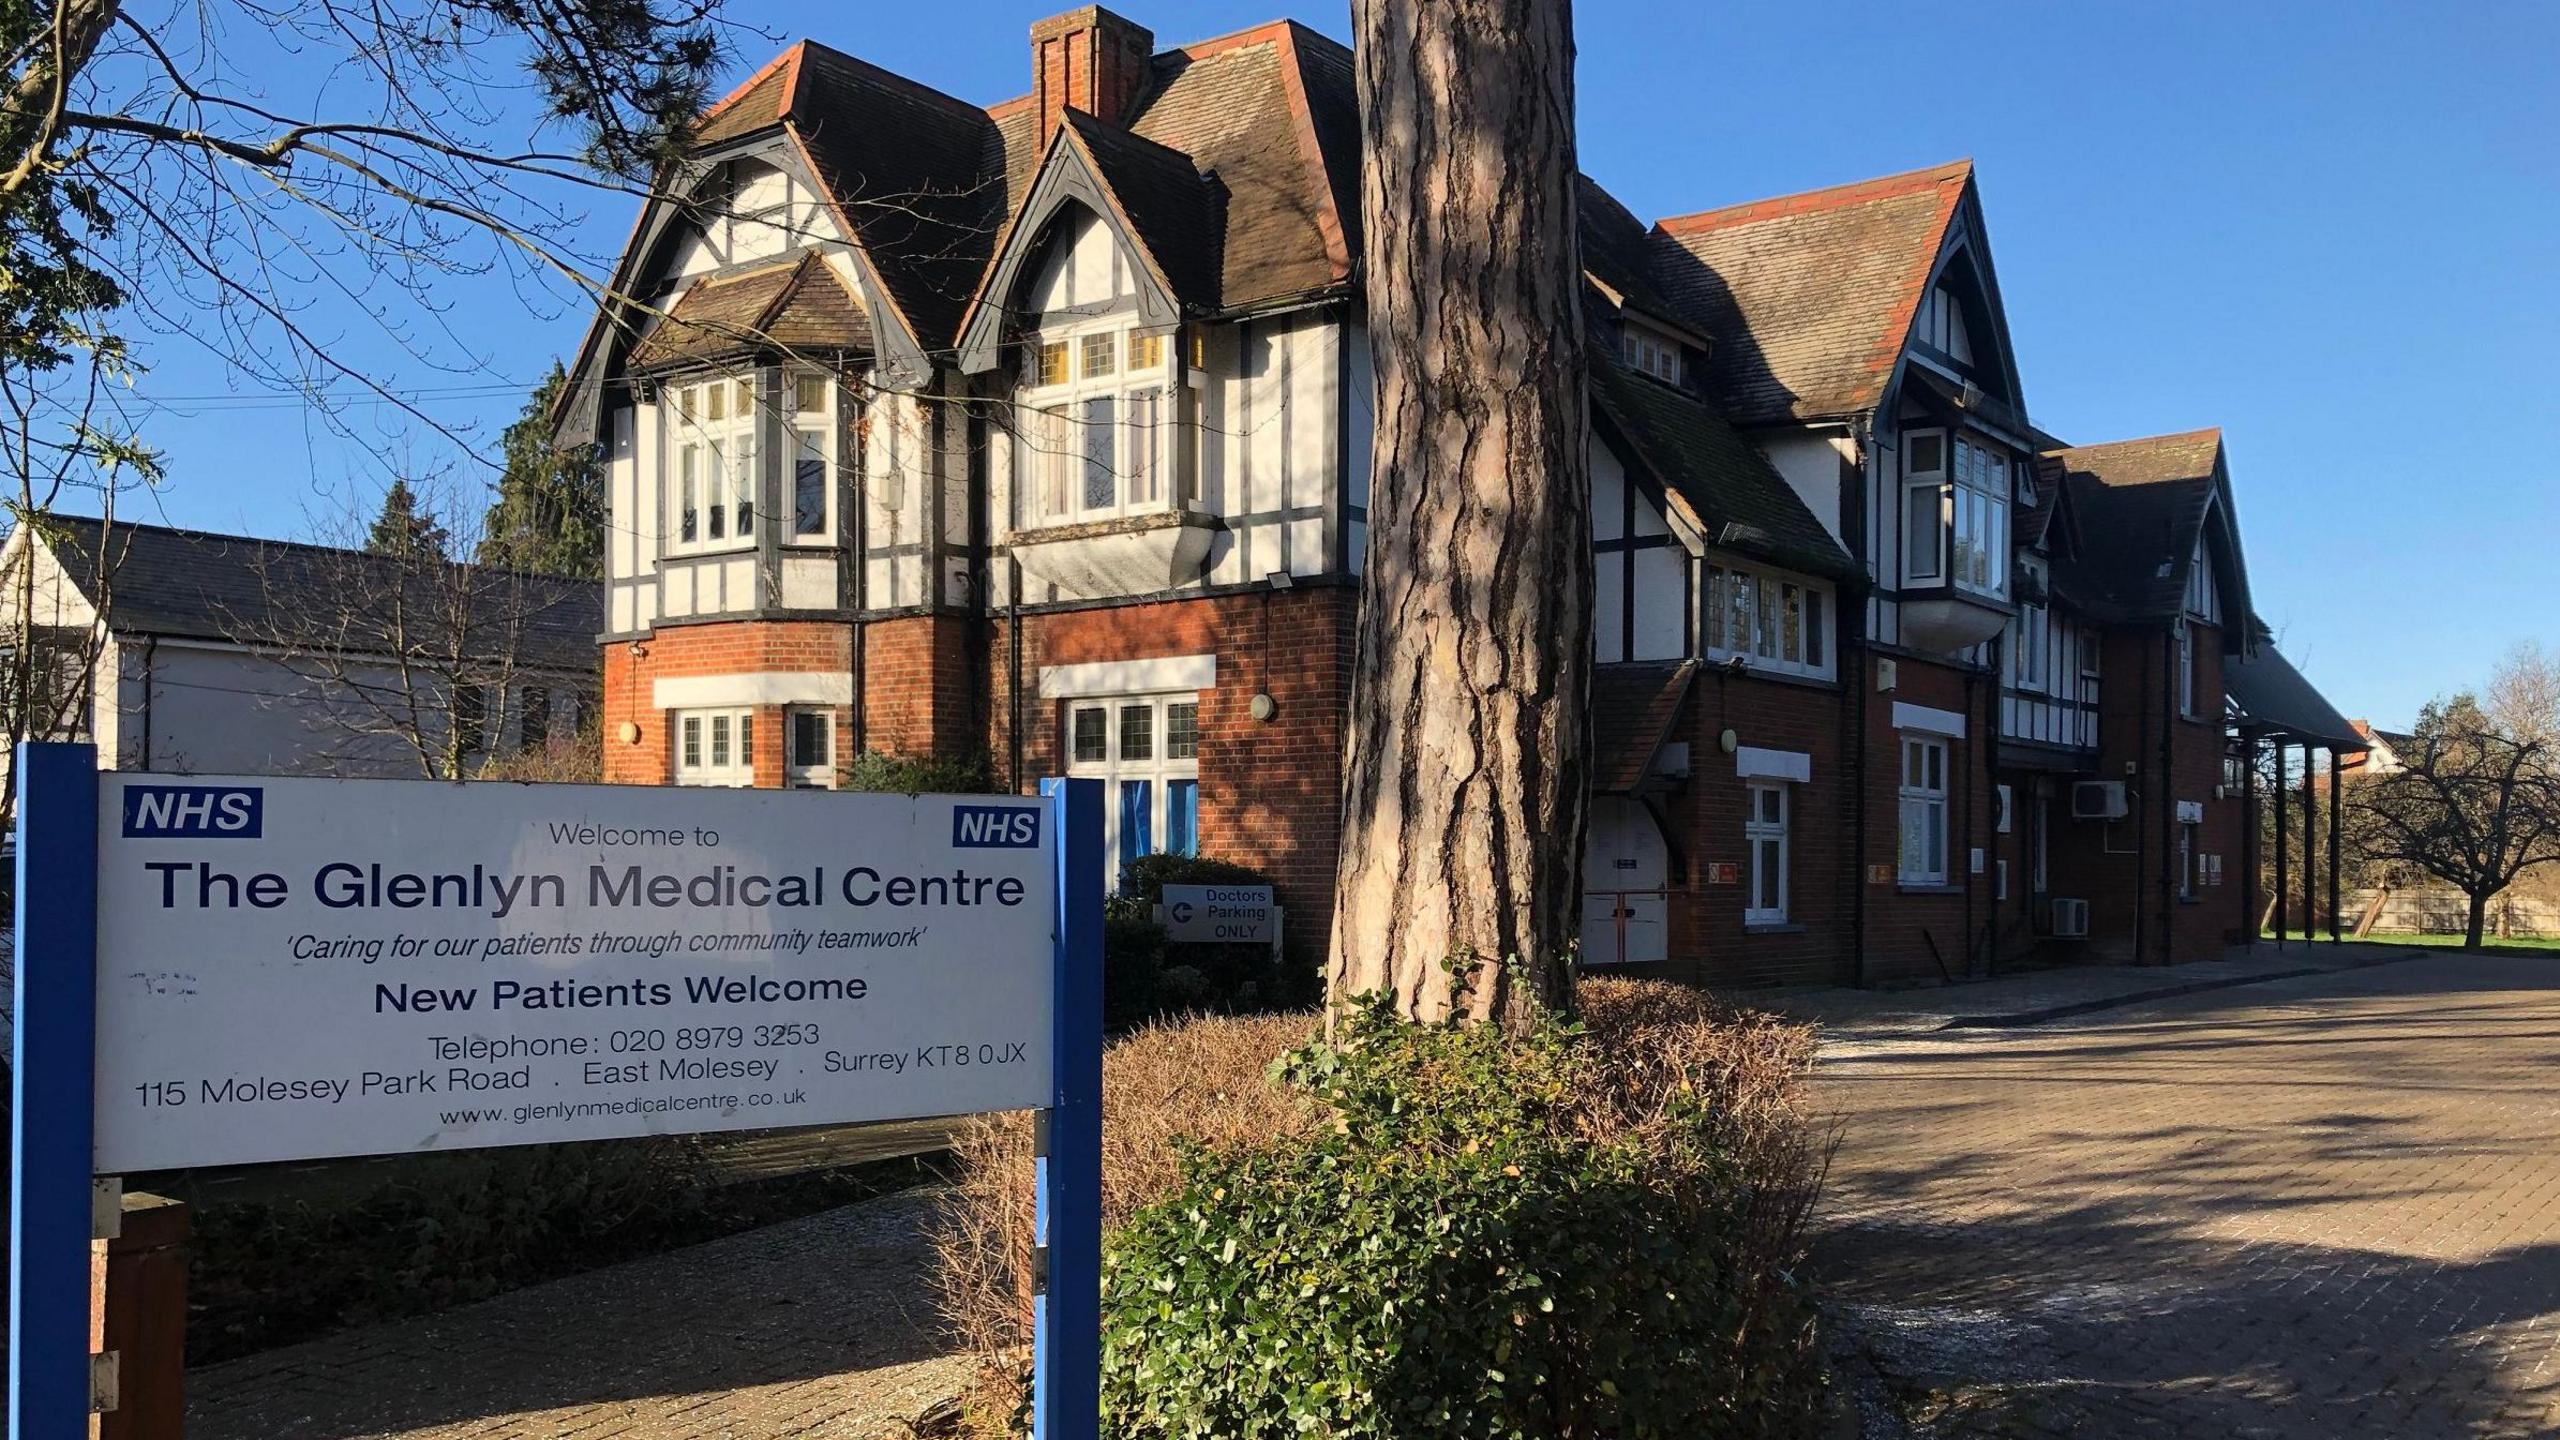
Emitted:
<point x="1137" y="732"/>
<point x="746" y="739"/>
<point x="1182" y="817"/>
<point x="809" y="483"/>
<point x="1737" y="628"/>
<point x="1715" y="608"/>
<point x="1920" y="532"/>
<point x="1053" y="363"/>
<point x="809" y="394"/>
<point x="1182" y="730"/>
<point x="1100" y="354"/>
<point x="1813" y="628"/>
<point x="1766" y="613"/>
<point x="812" y="737"/>
<point x="685" y="402"/>
<point x="1100" y="487"/>
<point x="718" y="467"/>
<point x="742" y="484"/>
<point x="692" y="740"/>
<point x="1142" y="445"/>
<point x="1051" y="461"/>
<point x="719" y="740"/>
<point x="1146" y="352"/>
<point x="1937" y="766"/>
<point x="1928" y="454"/>
<point x="1092" y="734"/>
<point x="688" y="520"/>
<point x="1768" y="876"/>
<point x="716" y="403"/>
<point x="746" y="398"/>
<point x="1791" y="641"/>
<point x="1137" y="819"/>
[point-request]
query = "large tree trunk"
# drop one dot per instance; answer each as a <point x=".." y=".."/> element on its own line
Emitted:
<point x="2478" y="921"/>
<point x="1464" y="791"/>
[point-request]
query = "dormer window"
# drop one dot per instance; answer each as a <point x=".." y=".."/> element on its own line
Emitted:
<point x="1096" y="443"/>
<point x="1650" y="352"/>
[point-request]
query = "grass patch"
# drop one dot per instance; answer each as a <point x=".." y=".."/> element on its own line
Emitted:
<point x="2519" y="945"/>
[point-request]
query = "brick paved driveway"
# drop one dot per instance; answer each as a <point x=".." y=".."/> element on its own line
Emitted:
<point x="2323" y="1207"/>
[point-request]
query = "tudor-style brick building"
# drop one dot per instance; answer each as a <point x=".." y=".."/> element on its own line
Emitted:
<point x="1040" y="431"/>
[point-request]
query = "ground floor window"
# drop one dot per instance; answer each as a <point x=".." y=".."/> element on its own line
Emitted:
<point x="809" y="749"/>
<point x="715" y="747"/>
<point x="1924" y="811"/>
<point x="1146" y="750"/>
<point x="1764" y="831"/>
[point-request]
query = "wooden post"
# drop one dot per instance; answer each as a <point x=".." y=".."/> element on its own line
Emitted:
<point x="2336" y="900"/>
<point x="2310" y="849"/>
<point x="2249" y="835"/>
<point x="2275" y="806"/>
<point x="146" y="1321"/>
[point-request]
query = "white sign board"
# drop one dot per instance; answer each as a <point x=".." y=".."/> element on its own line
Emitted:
<point x="298" y="968"/>
<point x="1221" y="914"/>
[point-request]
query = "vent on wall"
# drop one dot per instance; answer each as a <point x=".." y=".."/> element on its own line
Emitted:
<point x="2097" y="800"/>
<point x="2071" y="919"/>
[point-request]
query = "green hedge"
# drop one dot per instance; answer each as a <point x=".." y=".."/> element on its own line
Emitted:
<point x="1465" y="1253"/>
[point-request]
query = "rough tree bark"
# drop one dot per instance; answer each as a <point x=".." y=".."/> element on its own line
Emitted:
<point x="1465" y="786"/>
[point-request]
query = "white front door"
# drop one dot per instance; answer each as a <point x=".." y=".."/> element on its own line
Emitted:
<point x="1625" y="867"/>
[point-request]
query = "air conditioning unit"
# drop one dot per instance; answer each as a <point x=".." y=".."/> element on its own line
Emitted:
<point x="2071" y="919"/>
<point x="2097" y="800"/>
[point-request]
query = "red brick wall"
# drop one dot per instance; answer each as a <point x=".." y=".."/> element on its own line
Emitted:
<point x="1270" y="791"/>
<point x="917" y="695"/>
<point x="1709" y="943"/>
<point x="1914" y="935"/>
<point x="743" y="647"/>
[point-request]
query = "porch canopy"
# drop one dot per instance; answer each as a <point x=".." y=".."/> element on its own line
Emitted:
<point x="2274" y="702"/>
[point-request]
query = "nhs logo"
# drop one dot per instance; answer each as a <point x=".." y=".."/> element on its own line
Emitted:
<point x="211" y="812"/>
<point x="995" y="827"/>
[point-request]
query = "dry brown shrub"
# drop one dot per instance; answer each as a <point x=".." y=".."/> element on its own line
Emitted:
<point x="1207" y="1081"/>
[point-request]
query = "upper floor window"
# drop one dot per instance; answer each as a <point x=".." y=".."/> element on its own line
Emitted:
<point x="1650" y="352"/>
<point x="2187" y="660"/>
<point x="1096" y="434"/>
<point x="710" y="457"/>
<point x="2033" y="634"/>
<point x="1955" y="513"/>
<point x="1772" y="622"/>
<point x="1940" y="325"/>
<point x="815" y="435"/>
<point x="2204" y="597"/>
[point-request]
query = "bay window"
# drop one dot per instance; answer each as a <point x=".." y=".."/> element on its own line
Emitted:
<point x="1955" y="513"/>
<point x="1097" y="426"/>
<point x="1774" y="622"/>
<point x="1146" y="750"/>
<point x="714" y="747"/>
<point x="814" y="433"/>
<point x="1923" y="847"/>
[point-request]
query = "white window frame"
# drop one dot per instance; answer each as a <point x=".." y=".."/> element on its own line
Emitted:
<point x="1159" y="768"/>
<point x="1977" y="547"/>
<point x="799" y="773"/>
<point x="1759" y="833"/>
<point x="1924" y="492"/>
<point x="800" y="426"/>
<point x="1782" y="621"/>
<point x="712" y="449"/>
<point x="2034" y="638"/>
<point x="1650" y="352"/>
<point x="712" y="747"/>
<point x="1923" y="817"/>
<point x="1055" y="470"/>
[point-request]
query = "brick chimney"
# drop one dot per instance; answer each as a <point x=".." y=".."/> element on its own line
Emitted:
<point x="1091" y="59"/>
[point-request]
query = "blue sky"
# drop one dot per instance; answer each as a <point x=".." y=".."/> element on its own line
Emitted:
<point x="2333" y="231"/>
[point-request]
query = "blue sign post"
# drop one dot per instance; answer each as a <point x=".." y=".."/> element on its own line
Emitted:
<point x="52" y="1104"/>
<point x="1066" y="1316"/>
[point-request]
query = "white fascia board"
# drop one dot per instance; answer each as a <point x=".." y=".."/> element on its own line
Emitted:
<point x="1750" y="762"/>
<point x="1927" y="721"/>
<point x="789" y="687"/>
<point x="1129" y="677"/>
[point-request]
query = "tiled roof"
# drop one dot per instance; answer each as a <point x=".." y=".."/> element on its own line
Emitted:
<point x="1615" y="251"/>
<point x="797" y="307"/>
<point x="1632" y="710"/>
<point x="199" y="585"/>
<point x="2140" y="506"/>
<point x="1739" y="500"/>
<point x="1809" y="298"/>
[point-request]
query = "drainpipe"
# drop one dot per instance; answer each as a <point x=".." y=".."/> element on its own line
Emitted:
<point x="2141" y="832"/>
<point x="2168" y="793"/>
<point x="150" y="649"/>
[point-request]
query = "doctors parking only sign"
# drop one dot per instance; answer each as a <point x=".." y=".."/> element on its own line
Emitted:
<point x="295" y="968"/>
